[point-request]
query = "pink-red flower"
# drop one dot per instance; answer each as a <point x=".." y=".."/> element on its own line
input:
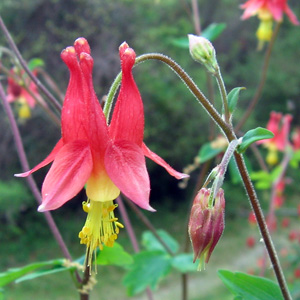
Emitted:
<point x="267" y="11"/>
<point x="17" y="92"/>
<point x="276" y="8"/>
<point x="280" y="125"/>
<point x="107" y="158"/>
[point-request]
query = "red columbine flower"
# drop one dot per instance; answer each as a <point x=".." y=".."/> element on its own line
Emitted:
<point x="280" y="126"/>
<point x="105" y="158"/>
<point x="16" y="92"/>
<point x="206" y="224"/>
<point x="267" y="11"/>
<point x="296" y="139"/>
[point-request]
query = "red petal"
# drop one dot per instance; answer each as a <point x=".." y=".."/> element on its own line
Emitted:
<point x="125" y="165"/>
<point x="68" y="174"/>
<point x="82" y="116"/>
<point x="128" y="118"/>
<point x="161" y="162"/>
<point x="45" y="162"/>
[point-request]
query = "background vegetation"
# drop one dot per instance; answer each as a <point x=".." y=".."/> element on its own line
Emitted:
<point x="176" y="125"/>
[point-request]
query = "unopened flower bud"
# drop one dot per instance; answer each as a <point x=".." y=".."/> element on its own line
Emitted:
<point x="203" y="51"/>
<point x="206" y="224"/>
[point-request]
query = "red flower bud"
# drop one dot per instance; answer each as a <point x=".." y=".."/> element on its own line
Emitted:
<point x="206" y="224"/>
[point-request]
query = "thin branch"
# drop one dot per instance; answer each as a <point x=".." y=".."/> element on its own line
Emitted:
<point x="148" y="224"/>
<point x="23" y="63"/>
<point x="132" y="236"/>
<point x="30" y="180"/>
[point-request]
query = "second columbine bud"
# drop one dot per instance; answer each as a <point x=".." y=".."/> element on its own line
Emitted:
<point x="206" y="224"/>
<point x="203" y="51"/>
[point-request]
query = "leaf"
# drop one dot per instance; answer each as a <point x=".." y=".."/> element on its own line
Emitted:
<point x="16" y="273"/>
<point x="253" y="136"/>
<point x="148" y="268"/>
<point x="211" y="33"/>
<point x="34" y="63"/>
<point x="39" y="273"/>
<point x="207" y="152"/>
<point x="248" y="287"/>
<point x="114" y="256"/>
<point x="233" y="97"/>
<point x="263" y="179"/>
<point x="294" y="162"/>
<point x="150" y="242"/>
<point x="184" y="263"/>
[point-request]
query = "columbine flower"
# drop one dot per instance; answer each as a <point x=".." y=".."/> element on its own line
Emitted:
<point x="267" y="11"/>
<point x="206" y="224"/>
<point x="16" y="92"/>
<point x="105" y="158"/>
<point x="280" y="126"/>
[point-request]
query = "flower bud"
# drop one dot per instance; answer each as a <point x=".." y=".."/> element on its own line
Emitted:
<point x="202" y="51"/>
<point x="206" y="224"/>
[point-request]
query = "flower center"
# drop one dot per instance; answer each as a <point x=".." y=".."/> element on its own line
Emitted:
<point x="101" y="227"/>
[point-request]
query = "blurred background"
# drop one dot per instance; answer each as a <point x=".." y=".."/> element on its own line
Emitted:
<point x="176" y="125"/>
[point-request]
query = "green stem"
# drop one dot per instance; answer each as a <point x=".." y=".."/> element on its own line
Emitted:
<point x="223" y="93"/>
<point x="111" y="95"/>
<point x="263" y="78"/>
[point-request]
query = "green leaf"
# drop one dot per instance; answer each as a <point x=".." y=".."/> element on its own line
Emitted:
<point x="233" y="98"/>
<point x="184" y="263"/>
<point x="264" y="180"/>
<point x="148" y="268"/>
<point x="16" y="273"/>
<point x="39" y="273"/>
<point x="207" y="152"/>
<point x="294" y="162"/>
<point x="150" y="242"/>
<point x="114" y="256"/>
<point x="213" y="31"/>
<point x="248" y="287"/>
<point x="253" y="136"/>
<point x="34" y="63"/>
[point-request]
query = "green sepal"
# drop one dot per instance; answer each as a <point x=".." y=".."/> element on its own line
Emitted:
<point x="253" y="136"/>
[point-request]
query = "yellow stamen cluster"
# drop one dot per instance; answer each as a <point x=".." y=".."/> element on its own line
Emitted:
<point x="265" y="30"/>
<point x="101" y="227"/>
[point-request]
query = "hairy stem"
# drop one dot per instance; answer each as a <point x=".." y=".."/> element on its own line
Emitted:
<point x="262" y="226"/>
